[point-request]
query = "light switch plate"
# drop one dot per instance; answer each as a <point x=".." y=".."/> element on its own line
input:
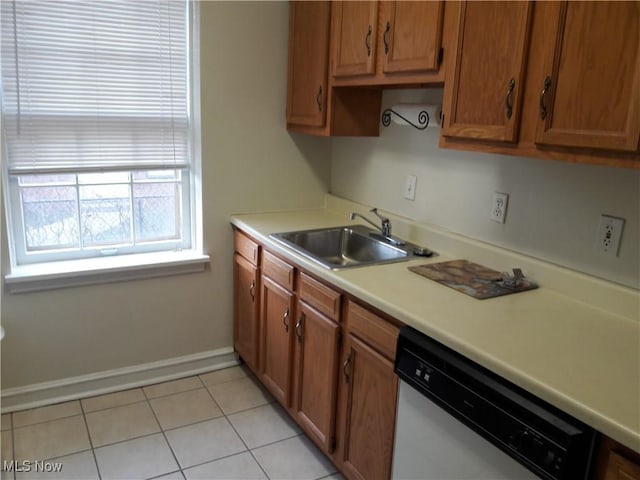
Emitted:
<point x="410" y="187"/>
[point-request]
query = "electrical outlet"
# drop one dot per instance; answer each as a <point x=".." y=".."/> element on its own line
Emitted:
<point x="499" y="207"/>
<point x="410" y="187"/>
<point x="609" y="235"/>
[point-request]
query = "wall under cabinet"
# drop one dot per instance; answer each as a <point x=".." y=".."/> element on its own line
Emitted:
<point x="554" y="207"/>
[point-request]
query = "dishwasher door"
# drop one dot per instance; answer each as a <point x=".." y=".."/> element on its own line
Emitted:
<point x="431" y="444"/>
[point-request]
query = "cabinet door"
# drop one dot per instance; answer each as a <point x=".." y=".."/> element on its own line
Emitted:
<point x="411" y="36"/>
<point x="277" y="324"/>
<point x="317" y="373"/>
<point x="354" y="38"/>
<point x="308" y="63"/>
<point x="592" y="77"/>
<point x="483" y="92"/>
<point x="246" y="301"/>
<point x="367" y="412"/>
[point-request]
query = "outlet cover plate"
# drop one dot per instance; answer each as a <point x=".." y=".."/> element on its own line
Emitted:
<point x="609" y="235"/>
<point x="499" y="206"/>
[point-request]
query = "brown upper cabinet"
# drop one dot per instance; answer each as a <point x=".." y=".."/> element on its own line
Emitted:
<point x="313" y="105"/>
<point x="591" y="87"/>
<point x="355" y="26"/>
<point x="558" y="80"/>
<point x="484" y="93"/>
<point x="308" y="63"/>
<point x="412" y="36"/>
<point x="386" y="43"/>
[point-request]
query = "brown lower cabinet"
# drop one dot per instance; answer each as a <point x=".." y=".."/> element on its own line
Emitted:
<point x="328" y="360"/>
<point x="616" y="462"/>
<point x="315" y="369"/>
<point x="305" y="331"/>
<point x="367" y="412"/>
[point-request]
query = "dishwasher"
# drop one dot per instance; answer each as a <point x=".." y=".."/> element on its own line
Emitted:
<point x="457" y="420"/>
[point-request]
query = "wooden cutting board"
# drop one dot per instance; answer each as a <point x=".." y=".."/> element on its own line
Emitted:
<point x="472" y="279"/>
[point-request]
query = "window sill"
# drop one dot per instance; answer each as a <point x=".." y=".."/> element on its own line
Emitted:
<point x="53" y="275"/>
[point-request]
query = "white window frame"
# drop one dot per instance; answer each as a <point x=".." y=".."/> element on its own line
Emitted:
<point x="57" y="271"/>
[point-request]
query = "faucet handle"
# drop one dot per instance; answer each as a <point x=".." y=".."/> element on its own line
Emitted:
<point x="375" y="212"/>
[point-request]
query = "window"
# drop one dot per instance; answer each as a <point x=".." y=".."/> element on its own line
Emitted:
<point x="98" y="128"/>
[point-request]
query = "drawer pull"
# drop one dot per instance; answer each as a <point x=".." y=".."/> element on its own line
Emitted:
<point x="367" y="41"/>
<point x="543" y="94"/>
<point x="385" y="38"/>
<point x="252" y="291"/>
<point x="345" y="367"/>
<point x="299" y="328"/>
<point x="285" y="320"/>
<point x="509" y="100"/>
<point x="318" y="98"/>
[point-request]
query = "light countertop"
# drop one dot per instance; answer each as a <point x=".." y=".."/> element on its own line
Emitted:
<point x="583" y="357"/>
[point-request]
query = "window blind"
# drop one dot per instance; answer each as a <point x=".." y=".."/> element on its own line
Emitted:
<point x="95" y="85"/>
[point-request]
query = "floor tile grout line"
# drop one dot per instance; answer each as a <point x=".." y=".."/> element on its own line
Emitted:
<point x="164" y="435"/>
<point x="164" y="395"/>
<point x="47" y="421"/>
<point x="93" y="450"/>
<point x="114" y="406"/>
<point x="168" y="473"/>
<point x="247" y="447"/>
<point x="13" y="446"/>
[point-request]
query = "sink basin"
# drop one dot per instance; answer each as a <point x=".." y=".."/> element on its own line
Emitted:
<point x="343" y="247"/>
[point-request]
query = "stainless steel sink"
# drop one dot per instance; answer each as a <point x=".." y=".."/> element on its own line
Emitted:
<point x="344" y="247"/>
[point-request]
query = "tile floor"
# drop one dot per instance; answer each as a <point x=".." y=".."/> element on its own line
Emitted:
<point x="219" y="425"/>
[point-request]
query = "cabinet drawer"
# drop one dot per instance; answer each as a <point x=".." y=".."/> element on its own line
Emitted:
<point x="278" y="270"/>
<point x="246" y="247"/>
<point x="372" y="329"/>
<point x="319" y="296"/>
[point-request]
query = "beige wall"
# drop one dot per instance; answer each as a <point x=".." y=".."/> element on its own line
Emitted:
<point x="249" y="163"/>
<point x="554" y="207"/>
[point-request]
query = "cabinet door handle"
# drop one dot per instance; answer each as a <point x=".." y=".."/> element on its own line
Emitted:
<point x="318" y="98"/>
<point x="367" y="41"/>
<point x="345" y="367"/>
<point x="252" y="290"/>
<point x="543" y="94"/>
<point x="509" y="100"/>
<point x="285" y="320"/>
<point x="299" y="327"/>
<point x="385" y="38"/>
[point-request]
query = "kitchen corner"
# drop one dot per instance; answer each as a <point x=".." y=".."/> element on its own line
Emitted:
<point x="574" y="342"/>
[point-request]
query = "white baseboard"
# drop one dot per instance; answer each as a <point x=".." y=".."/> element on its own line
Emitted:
<point x="73" y="388"/>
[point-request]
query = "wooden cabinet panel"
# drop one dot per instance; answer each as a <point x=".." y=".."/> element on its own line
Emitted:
<point x="278" y="270"/>
<point x="367" y="412"/>
<point x="375" y="331"/>
<point x="276" y="327"/>
<point x="483" y="95"/>
<point x="411" y="34"/>
<point x="620" y="468"/>
<point x="316" y="366"/>
<point x="308" y="63"/>
<point x="319" y="296"/>
<point x="354" y="33"/>
<point x="593" y="69"/>
<point x="246" y="301"/>
<point x="246" y="247"/>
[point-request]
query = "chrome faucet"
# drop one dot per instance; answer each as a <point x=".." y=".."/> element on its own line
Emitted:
<point x="385" y="227"/>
